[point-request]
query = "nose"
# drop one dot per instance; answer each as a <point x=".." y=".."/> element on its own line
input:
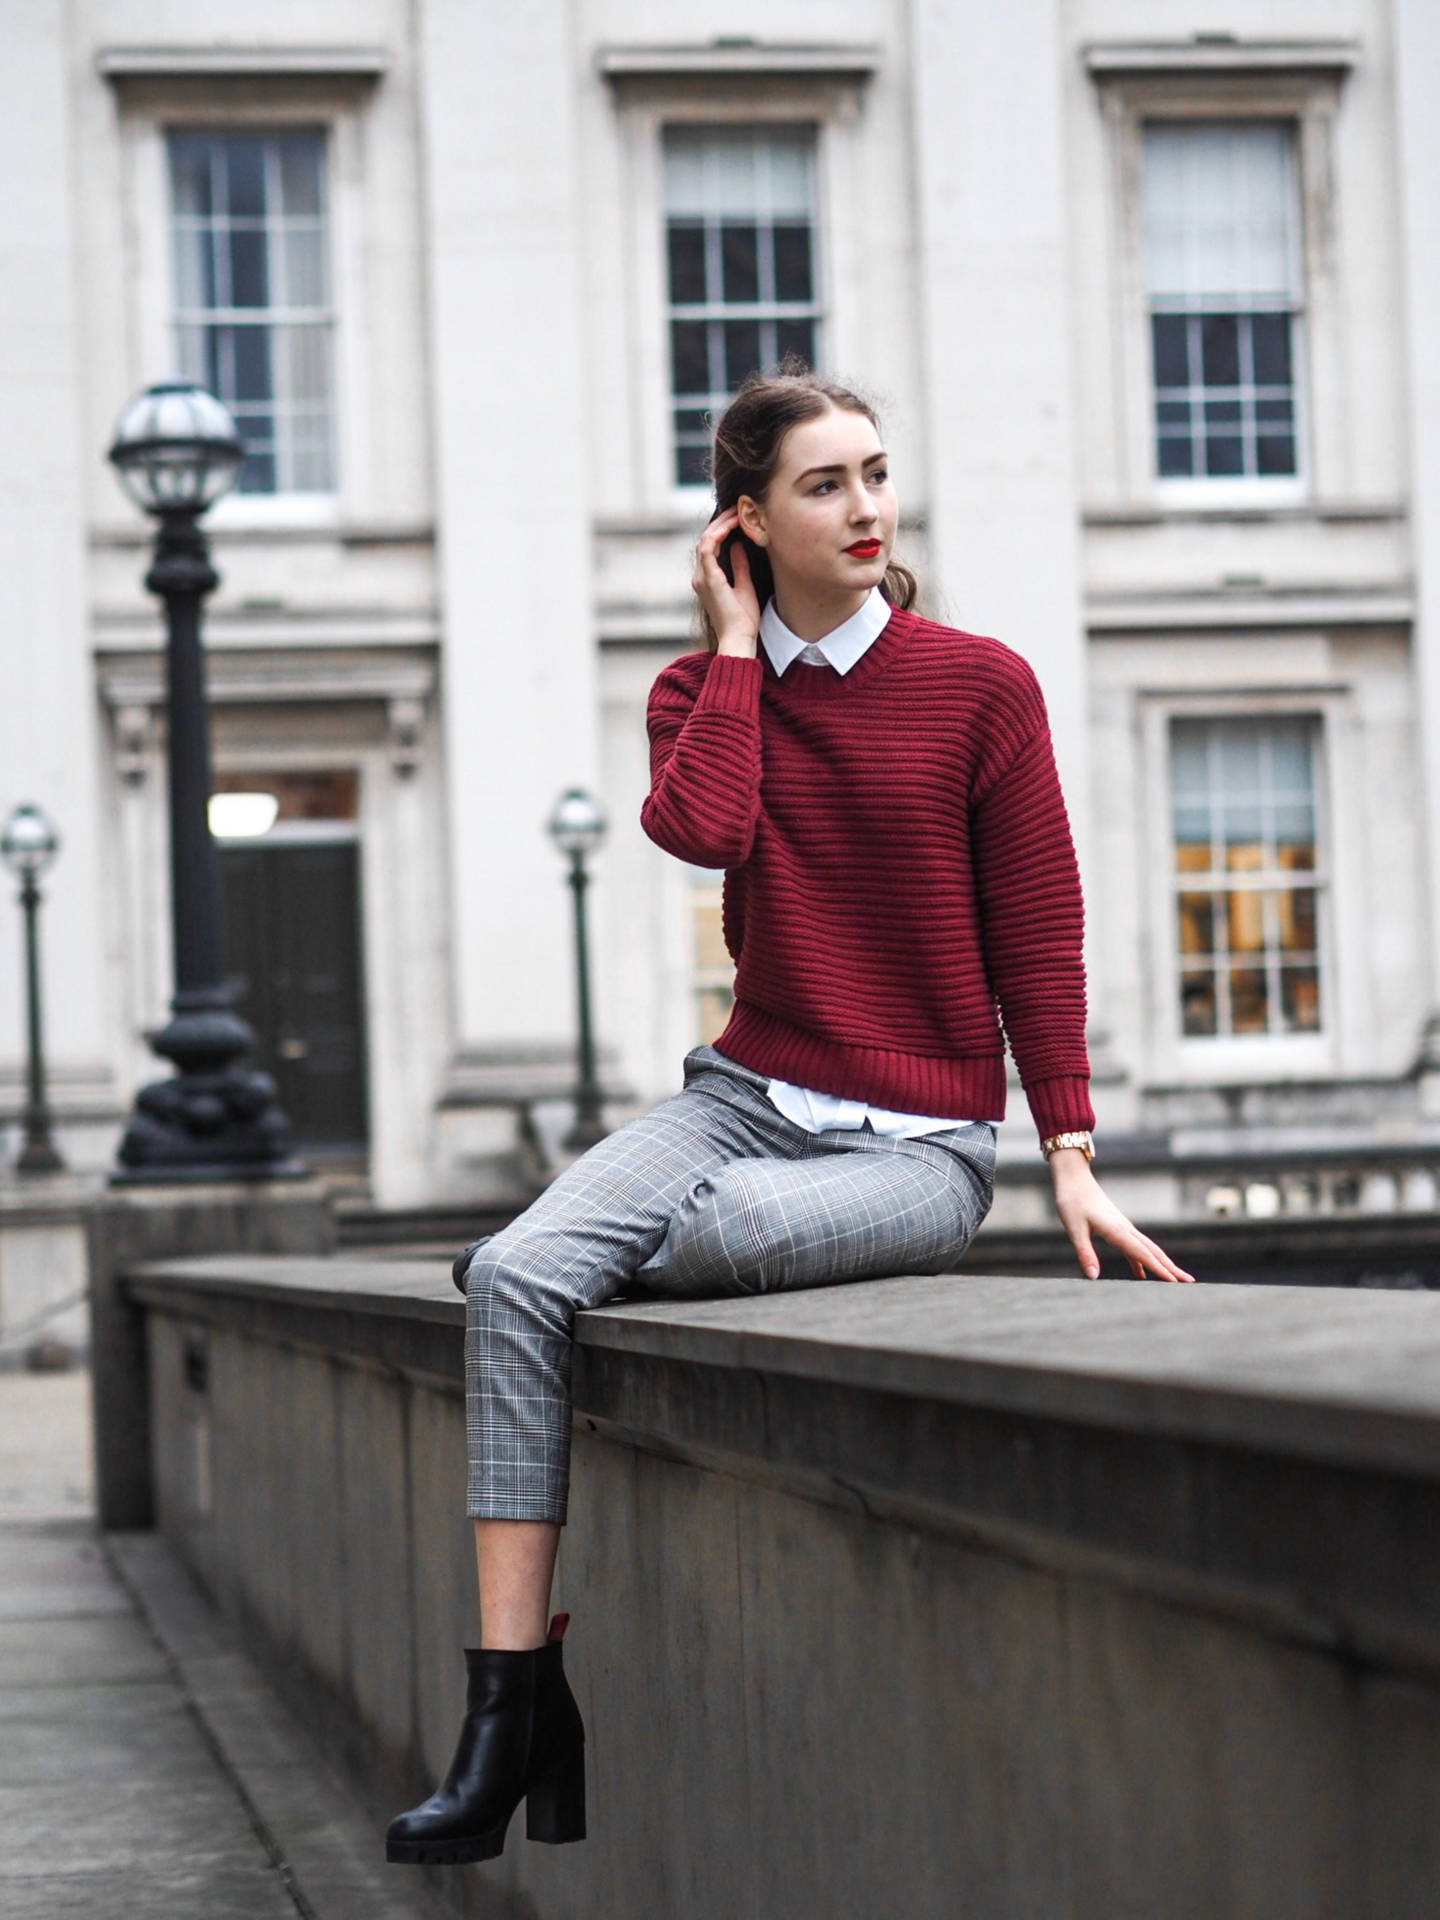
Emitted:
<point x="862" y="507"/>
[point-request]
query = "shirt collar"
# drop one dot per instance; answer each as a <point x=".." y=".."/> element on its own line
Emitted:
<point x="842" y="646"/>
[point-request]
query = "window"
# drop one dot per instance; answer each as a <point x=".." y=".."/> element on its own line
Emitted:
<point x="713" y="971"/>
<point x="1248" y="874"/>
<point x="740" y="249"/>
<point x="1223" y="271"/>
<point x="252" y="295"/>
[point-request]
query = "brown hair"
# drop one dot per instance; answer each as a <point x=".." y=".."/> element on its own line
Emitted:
<point x="748" y="439"/>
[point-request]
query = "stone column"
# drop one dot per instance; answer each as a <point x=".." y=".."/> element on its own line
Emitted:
<point x="520" y="707"/>
<point x="1417" y="86"/>
<point x="49" y="746"/>
<point x="994" y="300"/>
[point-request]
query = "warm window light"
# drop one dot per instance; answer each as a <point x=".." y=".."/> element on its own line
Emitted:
<point x="242" y="816"/>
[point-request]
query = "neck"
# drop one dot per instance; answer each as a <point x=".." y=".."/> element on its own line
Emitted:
<point x="810" y="613"/>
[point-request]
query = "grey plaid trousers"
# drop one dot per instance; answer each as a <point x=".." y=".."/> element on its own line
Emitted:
<point x="712" y="1192"/>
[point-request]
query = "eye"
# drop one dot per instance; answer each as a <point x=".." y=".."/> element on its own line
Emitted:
<point x="879" y="474"/>
<point x="822" y="486"/>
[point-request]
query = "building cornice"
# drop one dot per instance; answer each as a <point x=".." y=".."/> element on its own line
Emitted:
<point x="739" y="58"/>
<point x="121" y="64"/>
<point x="1219" y="54"/>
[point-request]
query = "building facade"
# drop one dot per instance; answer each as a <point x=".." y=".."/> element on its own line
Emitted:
<point x="1142" y="292"/>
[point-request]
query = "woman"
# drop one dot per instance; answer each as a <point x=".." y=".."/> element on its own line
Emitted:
<point x="882" y="793"/>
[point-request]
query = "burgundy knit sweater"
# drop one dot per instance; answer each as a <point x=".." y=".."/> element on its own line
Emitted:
<point x="901" y="890"/>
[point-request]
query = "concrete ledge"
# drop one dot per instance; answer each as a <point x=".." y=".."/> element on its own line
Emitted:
<point x="1074" y="1598"/>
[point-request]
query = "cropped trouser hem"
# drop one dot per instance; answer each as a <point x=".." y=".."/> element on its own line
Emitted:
<point x="714" y="1192"/>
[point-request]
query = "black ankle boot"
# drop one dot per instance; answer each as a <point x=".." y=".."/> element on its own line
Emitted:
<point x="522" y="1738"/>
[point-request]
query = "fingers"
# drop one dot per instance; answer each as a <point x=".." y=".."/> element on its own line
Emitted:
<point x="1144" y="1256"/>
<point x="1089" y="1260"/>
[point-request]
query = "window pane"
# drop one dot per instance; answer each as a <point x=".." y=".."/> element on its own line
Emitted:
<point x="300" y="173"/>
<point x="1295" y="911"/>
<point x="249" y="279"/>
<point x="251" y="349"/>
<point x="303" y="361"/>
<point x="742" y="350"/>
<point x="1169" y="339"/>
<point x="1245" y="928"/>
<point x="1197" y="923"/>
<point x="1174" y="456"/>
<point x="304" y="252"/>
<point x="1300" y="999"/>
<point x="687" y="264"/>
<point x="1270" y="336"/>
<point x="795" y="337"/>
<point x="792" y="263"/>
<point x="1224" y="454"/>
<point x="689" y="358"/>
<point x="691" y="464"/>
<point x="190" y="173"/>
<point x="1248" y="1000"/>
<point x="1197" y="1002"/>
<point x="740" y="262"/>
<point x="194" y="267"/>
<point x="1220" y="349"/>
<point x="245" y="175"/>
<point x="1275" y="453"/>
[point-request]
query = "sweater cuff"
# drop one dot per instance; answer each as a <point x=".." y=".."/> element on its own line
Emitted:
<point x="1061" y="1104"/>
<point x="731" y="684"/>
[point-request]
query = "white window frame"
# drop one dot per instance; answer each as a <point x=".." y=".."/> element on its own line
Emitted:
<point x="1308" y="100"/>
<point x="759" y="312"/>
<point x="1275" y="489"/>
<point x="321" y="317"/>
<point x="149" y="110"/>
<point x="644" y="106"/>
<point x="1177" y="1058"/>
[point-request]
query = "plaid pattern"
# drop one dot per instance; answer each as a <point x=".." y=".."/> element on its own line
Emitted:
<point x="712" y="1192"/>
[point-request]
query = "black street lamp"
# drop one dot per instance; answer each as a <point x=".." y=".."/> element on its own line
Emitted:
<point x="177" y="451"/>
<point x="577" y="827"/>
<point x="27" y="846"/>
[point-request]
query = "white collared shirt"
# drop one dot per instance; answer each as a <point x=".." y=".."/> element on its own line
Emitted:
<point x="841" y="648"/>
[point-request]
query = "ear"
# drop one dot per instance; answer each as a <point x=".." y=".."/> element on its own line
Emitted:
<point x="751" y="516"/>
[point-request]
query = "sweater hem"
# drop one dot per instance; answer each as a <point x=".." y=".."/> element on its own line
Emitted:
<point x="970" y="1085"/>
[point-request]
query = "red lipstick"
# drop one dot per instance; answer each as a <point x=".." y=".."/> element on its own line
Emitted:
<point x="864" y="549"/>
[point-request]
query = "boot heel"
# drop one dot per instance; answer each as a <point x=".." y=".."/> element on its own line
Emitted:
<point x="555" y="1804"/>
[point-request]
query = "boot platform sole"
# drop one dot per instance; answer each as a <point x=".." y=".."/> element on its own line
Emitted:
<point x="554" y="1815"/>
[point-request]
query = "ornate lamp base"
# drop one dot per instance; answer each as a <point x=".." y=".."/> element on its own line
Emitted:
<point x="215" y="1120"/>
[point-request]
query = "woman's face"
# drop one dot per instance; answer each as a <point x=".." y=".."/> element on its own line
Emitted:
<point x="828" y="518"/>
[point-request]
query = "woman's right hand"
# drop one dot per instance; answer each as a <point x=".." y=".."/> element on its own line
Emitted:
<point x="734" y="610"/>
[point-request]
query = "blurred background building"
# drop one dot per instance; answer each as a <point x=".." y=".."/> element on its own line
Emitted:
<point x="1142" y="288"/>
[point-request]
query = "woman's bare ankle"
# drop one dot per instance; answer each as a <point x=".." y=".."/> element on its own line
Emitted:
<point x="515" y="1563"/>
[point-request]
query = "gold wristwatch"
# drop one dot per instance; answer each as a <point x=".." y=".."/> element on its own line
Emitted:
<point x="1053" y="1141"/>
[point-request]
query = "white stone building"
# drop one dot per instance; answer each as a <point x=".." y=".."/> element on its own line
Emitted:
<point x="1143" y="288"/>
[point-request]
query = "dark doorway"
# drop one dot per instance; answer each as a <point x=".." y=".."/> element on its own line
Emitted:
<point x="292" y="947"/>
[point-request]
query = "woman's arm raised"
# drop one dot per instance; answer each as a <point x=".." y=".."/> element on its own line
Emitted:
<point x="704" y="794"/>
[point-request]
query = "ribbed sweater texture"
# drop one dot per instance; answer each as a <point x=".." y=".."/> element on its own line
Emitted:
<point x="901" y="891"/>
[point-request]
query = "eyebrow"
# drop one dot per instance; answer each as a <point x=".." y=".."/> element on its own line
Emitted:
<point x="839" y="465"/>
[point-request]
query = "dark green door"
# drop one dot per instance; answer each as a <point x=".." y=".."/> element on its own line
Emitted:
<point x="292" y="946"/>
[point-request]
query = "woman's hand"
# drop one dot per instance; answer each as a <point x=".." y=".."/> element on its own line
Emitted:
<point x="1085" y="1209"/>
<point x="734" y="611"/>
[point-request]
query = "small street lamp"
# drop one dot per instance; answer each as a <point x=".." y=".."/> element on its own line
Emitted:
<point x="27" y="846"/>
<point x="577" y="826"/>
<point x="176" y="451"/>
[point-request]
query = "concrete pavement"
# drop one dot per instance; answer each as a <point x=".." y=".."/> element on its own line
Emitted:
<point x="145" y="1767"/>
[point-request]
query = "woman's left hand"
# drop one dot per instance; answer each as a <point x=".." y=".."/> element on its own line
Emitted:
<point x="1085" y="1209"/>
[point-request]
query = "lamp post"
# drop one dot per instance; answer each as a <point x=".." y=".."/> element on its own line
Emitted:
<point x="577" y="826"/>
<point x="177" y="451"/>
<point x="28" y="845"/>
